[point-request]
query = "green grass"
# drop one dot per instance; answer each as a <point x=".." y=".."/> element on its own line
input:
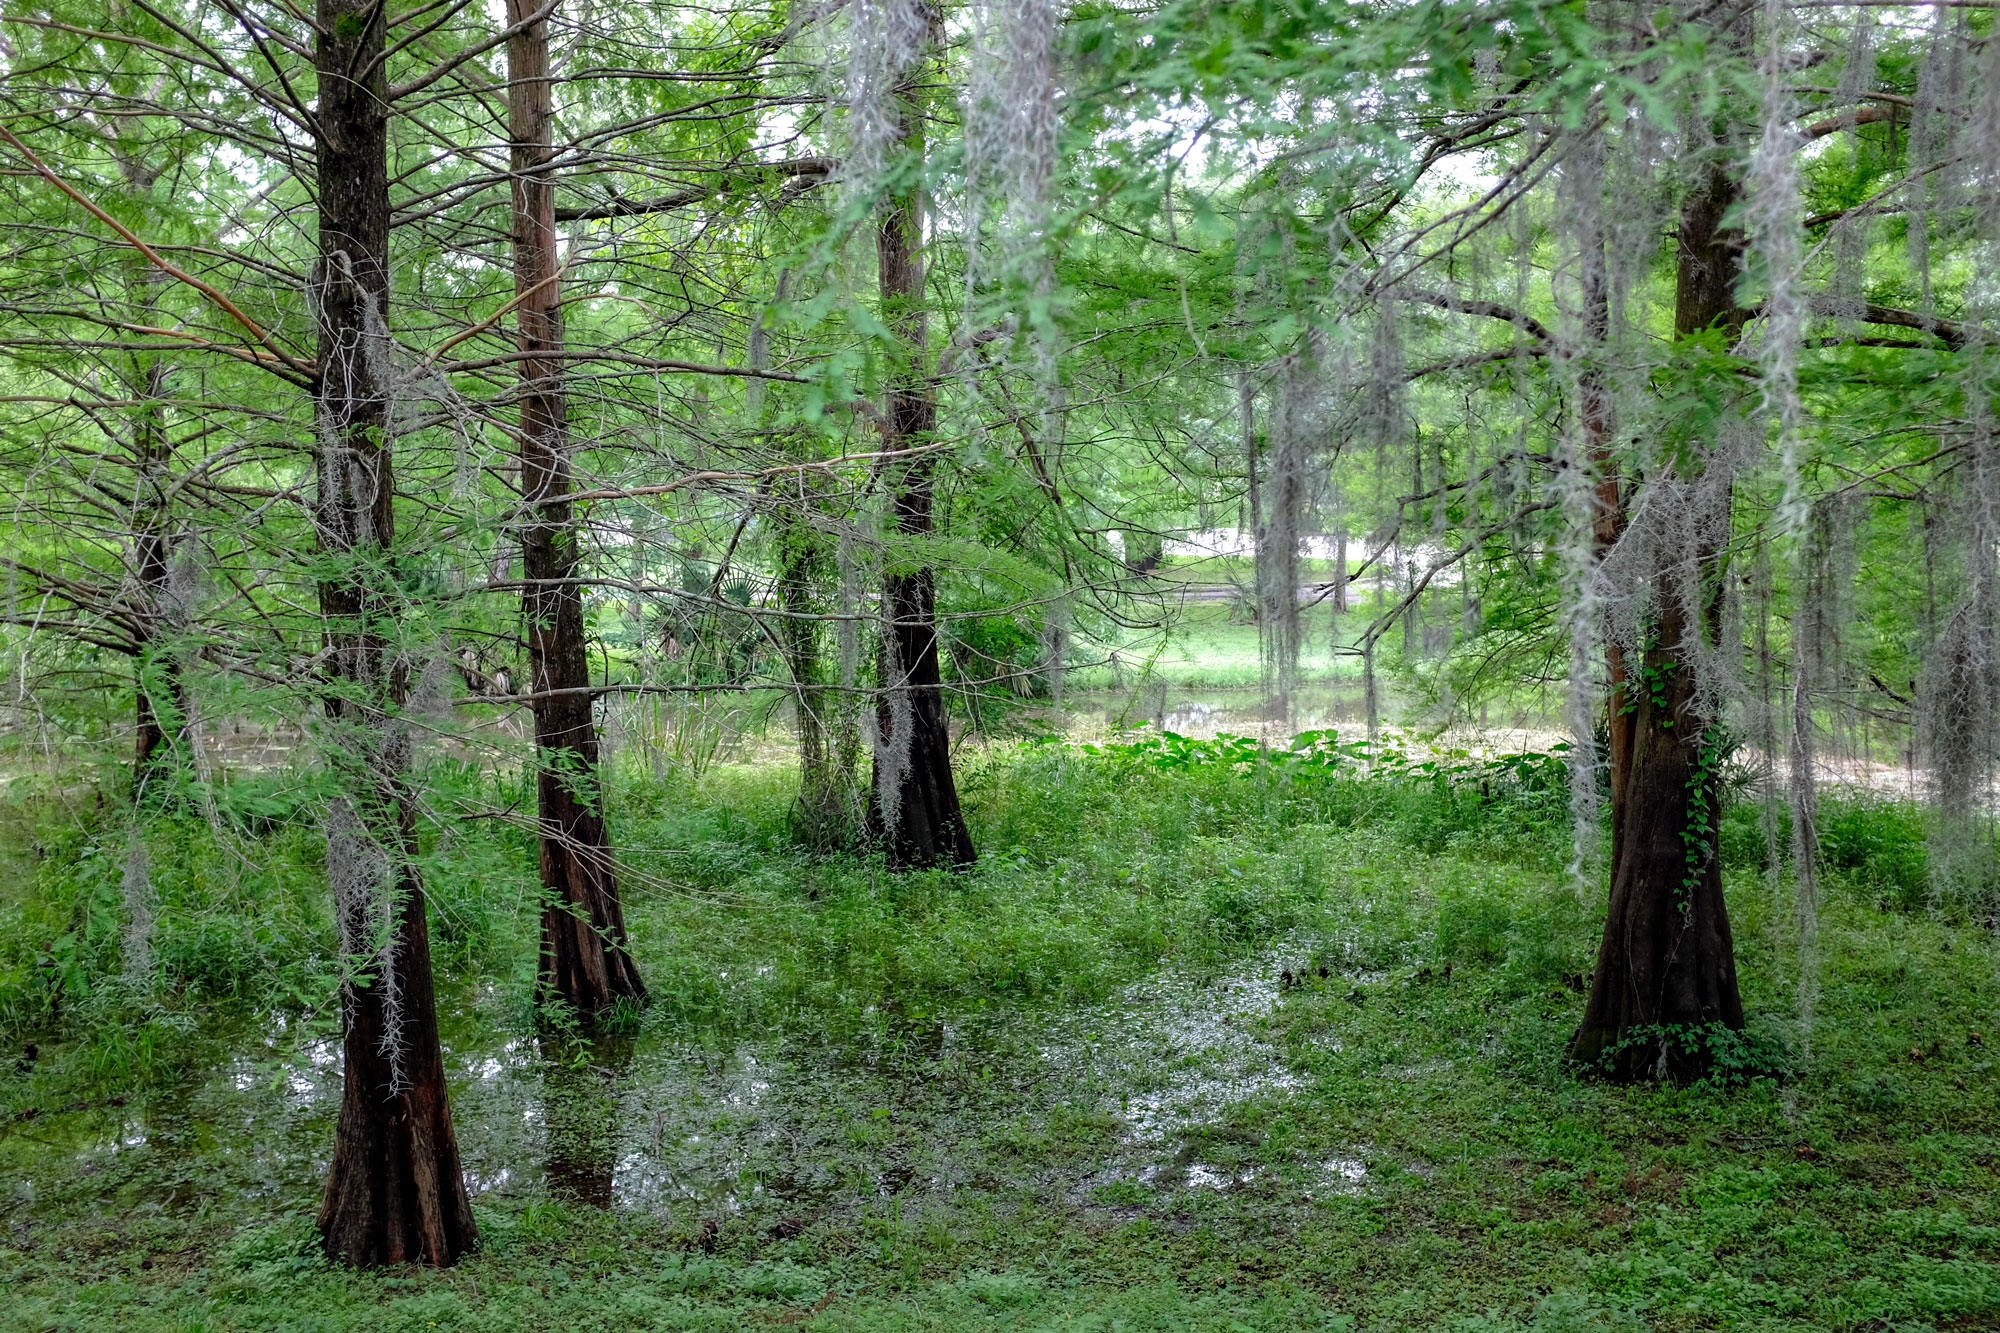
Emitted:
<point x="1406" y="1150"/>
<point x="1211" y="646"/>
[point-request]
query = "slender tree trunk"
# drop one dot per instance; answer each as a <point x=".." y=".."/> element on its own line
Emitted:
<point x="914" y="809"/>
<point x="1253" y="494"/>
<point x="395" y="1192"/>
<point x="159" y="706"/>
<point x="159" y="703"/>
<point x="825" y="806"/>
<point x="825" y="816"/>
<point x="585" y="962"/>
<point x="1340" y="571"/>
<point x="1594" y="415"/>
<point x="1666" y="968"/>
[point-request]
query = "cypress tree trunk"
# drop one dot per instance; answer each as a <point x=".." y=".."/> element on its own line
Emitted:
<point x="1253" y="494"/>
<point x="914" y="808"/>
<point x="1666" y="968"/>
<point x="395" y="1192"/>
<point x="1340" y="572"/>
<point x="585" y="963"/>
<point x="1594" y="416"/>
<point x="159" y="705"/>
<point x="825" y="808"/>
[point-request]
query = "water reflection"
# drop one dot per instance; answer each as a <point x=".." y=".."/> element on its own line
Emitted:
<point x="582" y="1093"/>
<point x="771" y="1132"/>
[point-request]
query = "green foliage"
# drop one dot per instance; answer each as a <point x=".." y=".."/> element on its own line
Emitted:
<point x="1730" y="1056"/>
<point x="288" y="1244"/>
<point x="1878" y="846"/>
<point x="994" y="662"/>
<point x="241" y="917"/>
<point x="1482" y="1184"/>
<point x="1875" y="845"/>
<point x="1702" y="825"/>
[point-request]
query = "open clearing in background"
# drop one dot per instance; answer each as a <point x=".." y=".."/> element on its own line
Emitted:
<point x="836" y="408"/>
<point x="1099" y="1081"/>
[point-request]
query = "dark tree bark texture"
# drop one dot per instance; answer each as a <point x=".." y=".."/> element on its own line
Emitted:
<point x="395" y="1192"/>
<point x="585" y="960"/>
<point x="927" y="827"/>
<point x="160" y="714"/>
<point x="1666" y="968"/>
<point x="159" y="706"/>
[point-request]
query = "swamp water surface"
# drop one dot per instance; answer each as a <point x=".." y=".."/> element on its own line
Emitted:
<point x="1098" y="1105"/>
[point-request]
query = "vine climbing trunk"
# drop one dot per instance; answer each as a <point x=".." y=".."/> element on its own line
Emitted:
<point x="913" y="808"/>
<point x="395" y="1192"/>
<point x="586" y="963"/>
<point x="1666" y="967"/>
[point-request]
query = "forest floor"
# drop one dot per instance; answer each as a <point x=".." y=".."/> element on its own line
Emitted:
<point x="1072" y="1088"/>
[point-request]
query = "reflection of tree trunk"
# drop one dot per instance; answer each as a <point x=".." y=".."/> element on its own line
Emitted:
<point x="1666" y="966"/>
<point x="918" y="821"/>
<point x="584" y="960"/>
<point x="580" y="1110"/>
<point x="395" y="1192"/>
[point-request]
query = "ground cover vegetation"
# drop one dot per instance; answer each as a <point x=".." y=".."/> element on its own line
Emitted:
<point x="1099" y="1076"/>
<point x="594" y="597"/>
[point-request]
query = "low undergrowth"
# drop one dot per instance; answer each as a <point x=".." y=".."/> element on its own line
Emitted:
<point x="1423" y="1158"/>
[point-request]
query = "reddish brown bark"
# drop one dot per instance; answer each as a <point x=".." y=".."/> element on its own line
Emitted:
<point x="395" y="1192"/>
<point x="928" y="828"/>
<point x="1595" y="417"/>
<point x="585" y="962"/>
<point x="1666" y="967"/>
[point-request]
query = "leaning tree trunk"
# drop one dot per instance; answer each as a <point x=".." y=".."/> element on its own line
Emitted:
<point x="1666" y="968"/>
<point x="585" y="962"/>
<point x="395" y="1192"/>
<point x="914" y="807"/>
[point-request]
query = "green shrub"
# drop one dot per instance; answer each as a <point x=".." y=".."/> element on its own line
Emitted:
<point x="1866" y="843"/>
<point x="1473" y="929"/>
<point x="1877" y="846"/>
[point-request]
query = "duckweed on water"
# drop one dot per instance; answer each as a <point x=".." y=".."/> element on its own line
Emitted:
<point x="1220" y="1044"/>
